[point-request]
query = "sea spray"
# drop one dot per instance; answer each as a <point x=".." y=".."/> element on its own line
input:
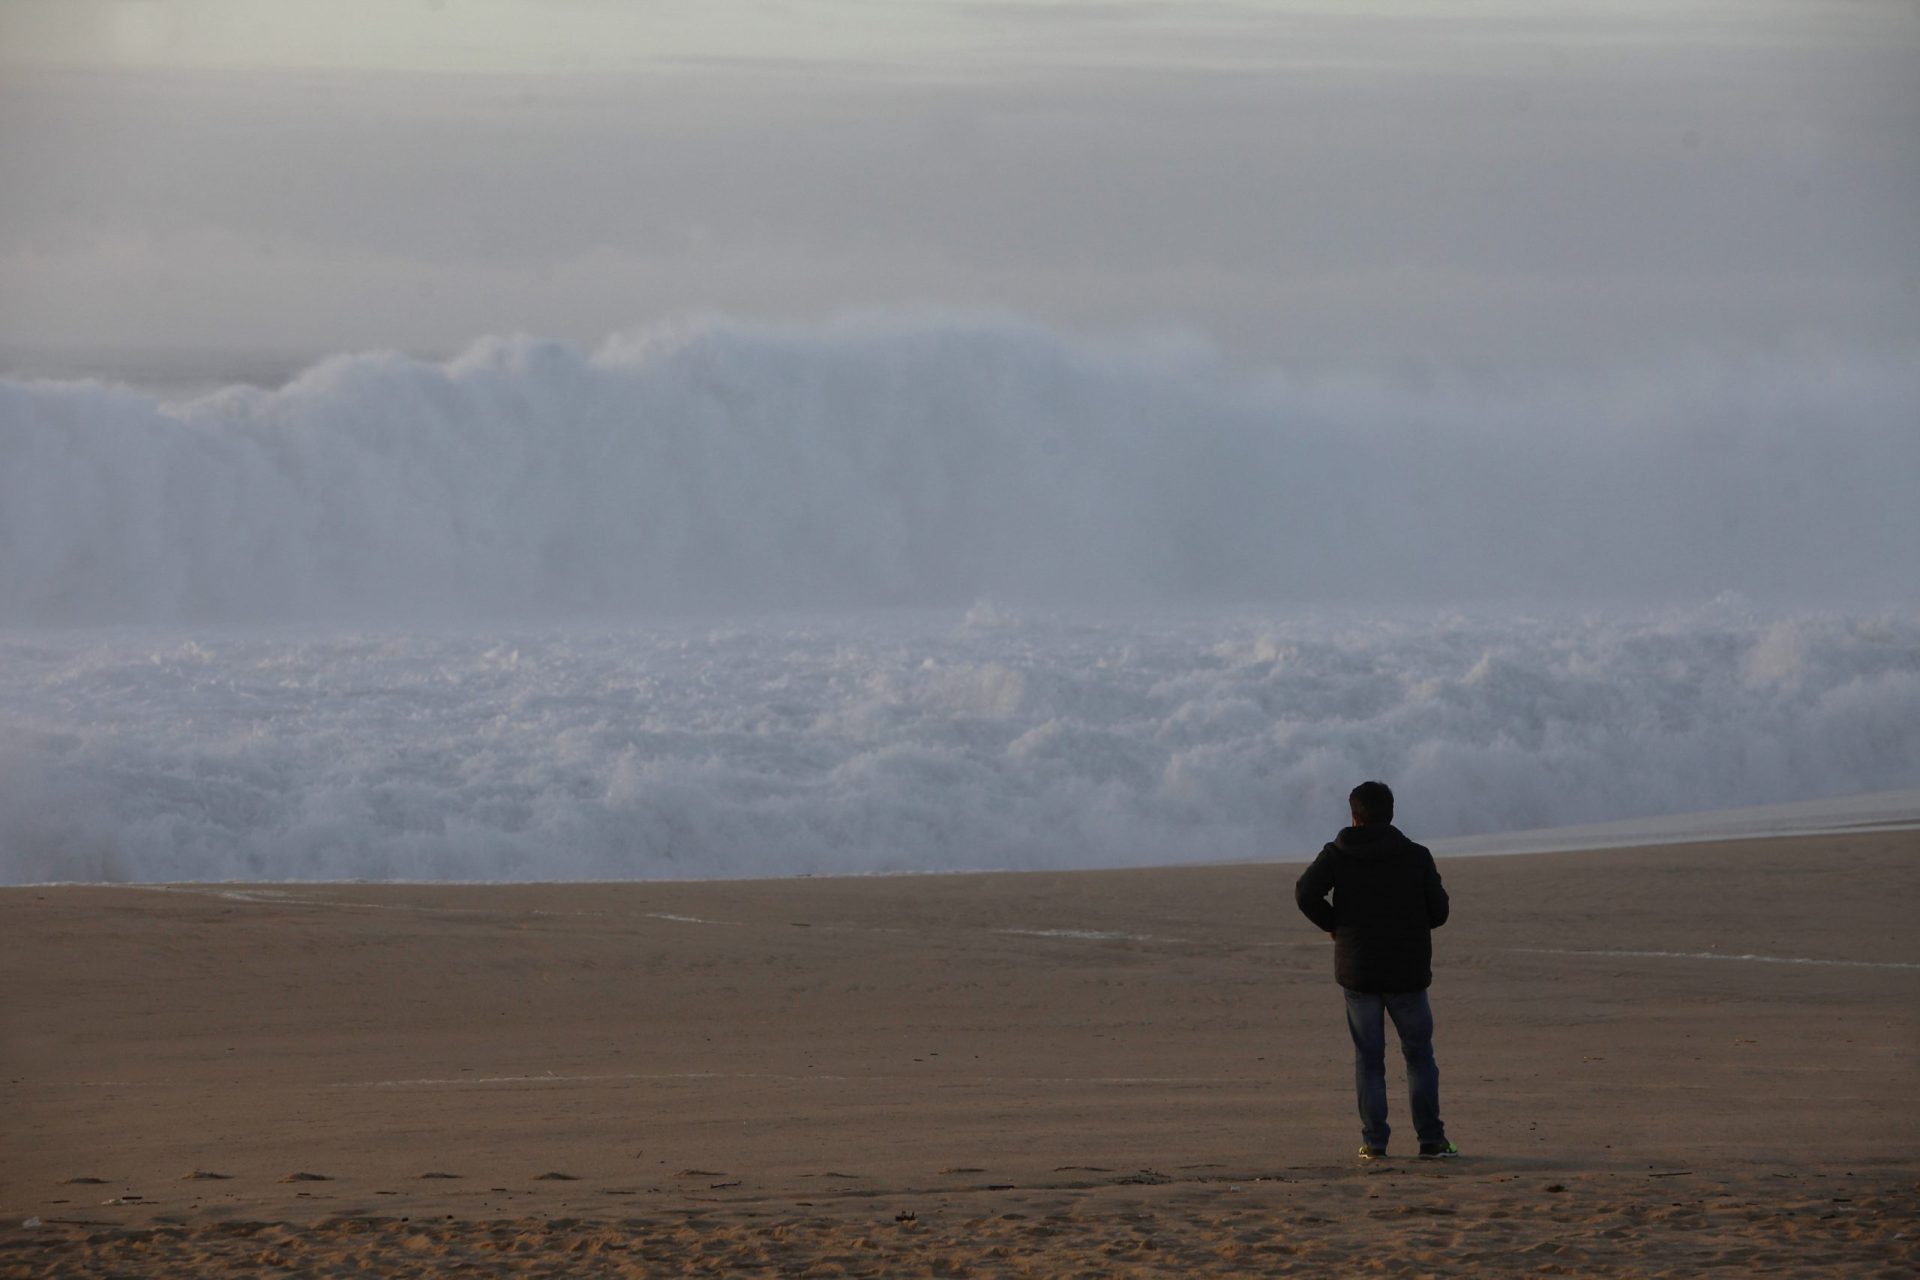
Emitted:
<point x="932" y="462"/>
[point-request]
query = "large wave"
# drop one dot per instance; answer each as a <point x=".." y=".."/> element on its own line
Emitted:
<point x="911" y="742"/>
<point x="934" y="461"/>
<point x="400" y="619"/>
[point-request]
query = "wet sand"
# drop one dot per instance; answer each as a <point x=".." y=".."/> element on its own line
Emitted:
<point x="1658" y="1061"/>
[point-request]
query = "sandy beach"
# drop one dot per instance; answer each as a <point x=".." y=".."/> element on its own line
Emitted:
<point x="1658" y="1061"/>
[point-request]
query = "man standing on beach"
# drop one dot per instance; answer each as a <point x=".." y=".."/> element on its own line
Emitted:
<point x="1387" y="900"/>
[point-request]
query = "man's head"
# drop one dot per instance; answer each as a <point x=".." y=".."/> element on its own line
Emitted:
<point x="1371" y="803"/>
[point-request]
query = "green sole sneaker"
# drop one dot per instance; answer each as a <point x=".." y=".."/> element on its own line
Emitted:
<point x="1373" y="1153"/>
<point x="1439" y="1151"/>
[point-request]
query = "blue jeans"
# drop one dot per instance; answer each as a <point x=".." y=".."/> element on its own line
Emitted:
<point x="1413" y="1019"/>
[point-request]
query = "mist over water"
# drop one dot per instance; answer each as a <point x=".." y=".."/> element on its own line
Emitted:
<point x="933" y="462"/>
<point x="919" y="594"/>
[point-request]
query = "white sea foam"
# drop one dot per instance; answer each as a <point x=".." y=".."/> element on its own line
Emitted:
<point x="910" y="741"/>
<point x="934" y="462"/>
<point x="403" y="620"/>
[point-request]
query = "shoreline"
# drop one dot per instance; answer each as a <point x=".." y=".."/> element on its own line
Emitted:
<point x="1881" y="811"/>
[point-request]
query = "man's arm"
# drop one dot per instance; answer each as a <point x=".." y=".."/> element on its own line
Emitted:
<point x="1311" y="889"/>
<point x="1437" y="904"/>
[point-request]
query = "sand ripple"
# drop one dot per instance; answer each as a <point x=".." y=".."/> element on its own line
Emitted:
<point x="1458" y="1224"/>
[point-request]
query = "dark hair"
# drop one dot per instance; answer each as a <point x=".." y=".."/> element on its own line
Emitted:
<point x="1371" y="802"/>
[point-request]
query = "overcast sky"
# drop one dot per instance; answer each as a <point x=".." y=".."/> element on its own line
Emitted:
<point x="1336" y="185"/>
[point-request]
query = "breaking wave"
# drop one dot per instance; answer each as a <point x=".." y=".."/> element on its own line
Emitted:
<point x="400" y="619"/>
<point x="931" y="462"/>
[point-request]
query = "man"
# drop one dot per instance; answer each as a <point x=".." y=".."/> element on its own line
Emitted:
<point x="1387" y="900"/>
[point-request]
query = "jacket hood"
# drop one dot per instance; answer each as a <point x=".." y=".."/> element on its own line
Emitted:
<point x="1373" y="838"/>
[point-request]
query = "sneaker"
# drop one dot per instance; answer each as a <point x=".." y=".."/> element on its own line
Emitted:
<point x="1438" y="1151"/>
<point x="1373" y="1153"/>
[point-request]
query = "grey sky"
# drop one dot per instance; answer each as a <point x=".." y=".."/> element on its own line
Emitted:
<point x="1327" y="186"/>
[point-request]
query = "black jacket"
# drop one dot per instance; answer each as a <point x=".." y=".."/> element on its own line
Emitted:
<point x="1387" y="900"/>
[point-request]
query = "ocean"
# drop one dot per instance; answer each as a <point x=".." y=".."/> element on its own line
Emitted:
<point x="916" y="595"/>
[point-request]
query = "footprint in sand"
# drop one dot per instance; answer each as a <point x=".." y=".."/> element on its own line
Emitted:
<point x="207" y="1175"/>
<point x="557" y="1177"/>
<point x="306" y="1177"/>
<point x="84" y="1182"/>
<point x="435" y="1173"/>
